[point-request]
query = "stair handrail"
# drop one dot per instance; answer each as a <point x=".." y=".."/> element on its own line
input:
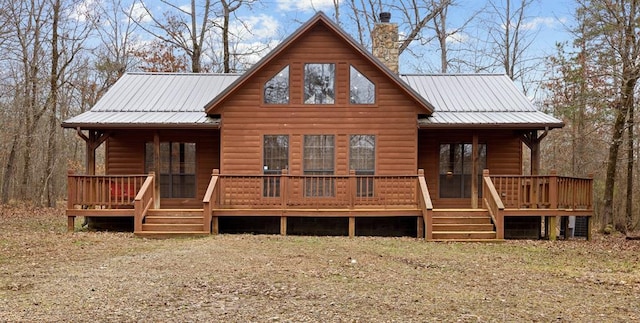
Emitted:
<point x="492" y="201"/>
<point x="209" y="201"/>
<point x="144" y="201"/>
<point x="426" y="205"/>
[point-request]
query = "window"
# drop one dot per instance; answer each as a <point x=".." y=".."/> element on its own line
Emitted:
<point x="276" y="158"/>
<point x="362" y="159"/>
<point x="456" y="164"/>
<point x="319" y="83"/>
<point x="362" y="90"/>
<point x="276" y="89"/>
<point x="319" y="156"/>
<point x="177" y="168"/>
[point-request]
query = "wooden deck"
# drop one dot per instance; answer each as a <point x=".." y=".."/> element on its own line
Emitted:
<point x="349" y="196"/>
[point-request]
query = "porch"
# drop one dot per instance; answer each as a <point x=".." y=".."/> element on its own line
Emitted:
<point x="352" y="196"/>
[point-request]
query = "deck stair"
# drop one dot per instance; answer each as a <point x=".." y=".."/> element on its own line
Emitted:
<point x="463" y="225"/>
<point x="173" y="222"/>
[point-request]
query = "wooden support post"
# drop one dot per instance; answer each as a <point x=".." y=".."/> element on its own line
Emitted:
<point x="284" y="188"/>
<point x="553" y="223"/>
<point x="420" y="229"/>
<point x="156" y="167"/>
<point x="215" y="227"/>
<point x="353" y="187"/>
<point x="71" y="223"/>
<point x="352" y="227"/>
<point x="474" y="172"/>
<point x="553" y="190"/>
<point x="283" y="225"/>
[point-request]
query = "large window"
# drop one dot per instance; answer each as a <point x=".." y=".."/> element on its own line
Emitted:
<point x="361" y="89"/>
<point x="456" y="164"/>
<point x="276" y="89"/>
<point x="362" y="159"/>
<point x="276" y="158"/>
<point x="319" y="83"/>
<point x="177" y="168"/>
<point x="319" y="159"/>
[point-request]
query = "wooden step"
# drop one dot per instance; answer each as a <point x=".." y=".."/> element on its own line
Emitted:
<point x="463" y="235"/>
<point x="460" y="212"/>
<point x="461" y="220"/>
<point x="171" y="227"/>
<point x="175" y="212"/>
<point x="170" y="219"/>
<point x="462" y="227"/>
<point x="170" y="234"/>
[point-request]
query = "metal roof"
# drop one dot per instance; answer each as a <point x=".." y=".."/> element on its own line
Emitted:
<point x="155" y="99"/>
<point x="167" y="100"/>
<point x="477" y="100"/>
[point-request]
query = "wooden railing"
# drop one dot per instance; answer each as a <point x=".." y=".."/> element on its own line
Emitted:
<point x="144" y="201"/>
<point x="491" y="201"/>
<point x="425" y="205"/>
<point x="209" y="201"/>
<point x="102" y="191"/>
<point x="316" y="191"/>
<point x="544" y="192"/>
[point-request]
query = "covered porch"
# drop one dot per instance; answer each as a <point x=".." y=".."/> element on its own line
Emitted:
<point x="549" y="197"/>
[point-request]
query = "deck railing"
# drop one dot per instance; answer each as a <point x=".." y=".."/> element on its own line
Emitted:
<point x="491" y="201"/>
<point x="144" y="201"/>
<point x="544" y="192"/>
<point x="316" y="191"/>
<point x="102" y="191"/>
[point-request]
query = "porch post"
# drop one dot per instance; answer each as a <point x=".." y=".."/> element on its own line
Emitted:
<point x="92" y="142"/>
<point x="474" y="172"/>
<point x="156" y="167"/>
<point x="532" y="140"/>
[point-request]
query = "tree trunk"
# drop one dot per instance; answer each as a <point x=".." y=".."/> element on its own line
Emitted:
<point x="628" y="223"/>
<point x="8" y="173"/>
<point x="48" y="190"/>
<point x="616" y="140"/>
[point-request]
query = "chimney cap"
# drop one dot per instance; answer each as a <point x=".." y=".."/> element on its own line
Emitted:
<point x="385" y="17"/>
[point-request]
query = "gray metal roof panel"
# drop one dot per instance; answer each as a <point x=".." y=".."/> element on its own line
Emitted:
<point x="163" y="92"/>
<point x="470" y="92"/>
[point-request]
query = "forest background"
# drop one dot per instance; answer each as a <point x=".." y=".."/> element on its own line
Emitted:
<point x="576" y="59"/>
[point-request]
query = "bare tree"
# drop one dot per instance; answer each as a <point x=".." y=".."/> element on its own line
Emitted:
<point x="184" y="28"/>
<point x="611" y="27"/>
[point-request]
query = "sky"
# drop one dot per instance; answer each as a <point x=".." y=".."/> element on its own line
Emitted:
<point x="270" y="21"/>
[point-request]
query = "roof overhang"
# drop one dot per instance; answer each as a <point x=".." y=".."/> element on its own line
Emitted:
<point x="142" y="120"/>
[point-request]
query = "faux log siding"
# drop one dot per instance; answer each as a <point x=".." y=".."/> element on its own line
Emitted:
<point x="393" y="119"/>
<point x="504" y="157"/>
<point x="125" y="152"/>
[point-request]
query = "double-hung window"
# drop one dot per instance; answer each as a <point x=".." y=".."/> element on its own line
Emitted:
<point x="276" y="158"/>
<point x="319" y="163"/>
<point x="362" y="159"/>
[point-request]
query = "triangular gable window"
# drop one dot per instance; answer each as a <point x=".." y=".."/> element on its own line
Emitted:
<point x="362" y="90"/>
<point x="276" y="89"/>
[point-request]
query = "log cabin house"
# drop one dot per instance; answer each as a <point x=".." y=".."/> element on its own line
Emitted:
<point x="323" y="137"/>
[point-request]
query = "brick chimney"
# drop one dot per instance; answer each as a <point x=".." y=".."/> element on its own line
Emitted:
<point x="385" y="41"/>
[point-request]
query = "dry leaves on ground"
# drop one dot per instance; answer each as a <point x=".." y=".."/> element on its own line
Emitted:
<point x="48" y="274"/>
